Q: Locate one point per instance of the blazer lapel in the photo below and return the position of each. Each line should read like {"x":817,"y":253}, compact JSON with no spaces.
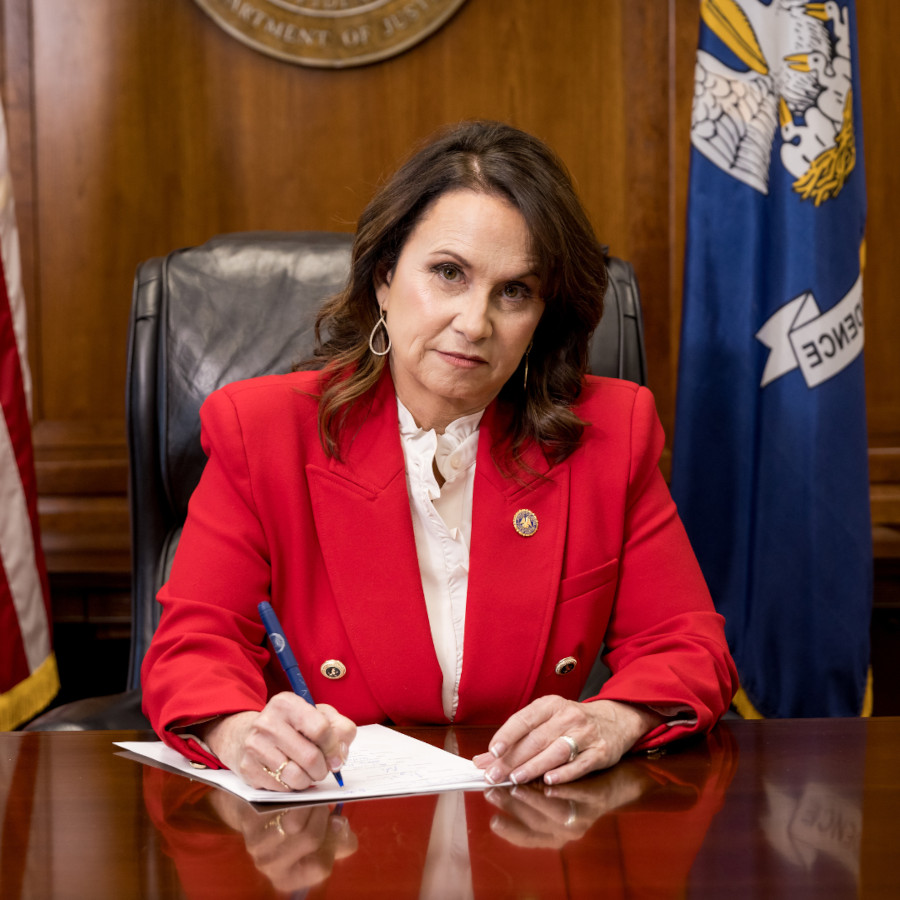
{"x":364,"y":524}
{"x":513,"y":581}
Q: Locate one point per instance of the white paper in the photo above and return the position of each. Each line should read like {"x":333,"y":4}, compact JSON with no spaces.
{"x":382,"y":762}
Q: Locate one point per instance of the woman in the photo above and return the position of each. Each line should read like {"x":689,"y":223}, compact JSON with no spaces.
{"x":449,"y":518}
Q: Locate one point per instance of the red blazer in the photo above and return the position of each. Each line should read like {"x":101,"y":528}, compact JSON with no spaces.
{"x":330,"y":543}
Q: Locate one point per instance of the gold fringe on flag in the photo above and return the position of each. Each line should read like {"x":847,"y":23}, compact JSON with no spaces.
{"x":29,"y":697}
{"x":744,"y":707}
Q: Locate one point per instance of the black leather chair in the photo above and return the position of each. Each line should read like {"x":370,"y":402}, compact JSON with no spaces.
{"x":237,"y":306}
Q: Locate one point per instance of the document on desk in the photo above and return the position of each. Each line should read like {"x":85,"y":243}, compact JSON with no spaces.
{"x":382,"y":763}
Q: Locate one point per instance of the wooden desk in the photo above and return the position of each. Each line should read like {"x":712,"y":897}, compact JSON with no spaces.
{"x":762,"y":809}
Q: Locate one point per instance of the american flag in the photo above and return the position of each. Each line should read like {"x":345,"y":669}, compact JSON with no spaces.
{"x":28,"y":674}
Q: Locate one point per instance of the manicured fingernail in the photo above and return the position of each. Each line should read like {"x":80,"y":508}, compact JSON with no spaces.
{"x":513,"y":778}
{"x":498,"y":750}
{"x":491,"y":776}
{"x":550,"y":778}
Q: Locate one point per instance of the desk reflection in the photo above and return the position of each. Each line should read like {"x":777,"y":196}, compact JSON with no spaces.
{"x":779,"y":808}
{"x":794,"y":815}
{"x":637,"y":827}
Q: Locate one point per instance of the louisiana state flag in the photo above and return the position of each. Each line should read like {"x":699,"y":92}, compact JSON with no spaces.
{"x":770,"y":455}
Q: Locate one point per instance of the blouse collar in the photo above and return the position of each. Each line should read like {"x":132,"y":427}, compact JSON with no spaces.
{"x":454,"y":451}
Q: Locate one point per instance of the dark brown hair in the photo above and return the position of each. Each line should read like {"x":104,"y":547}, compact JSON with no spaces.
{"x":492,"y":158}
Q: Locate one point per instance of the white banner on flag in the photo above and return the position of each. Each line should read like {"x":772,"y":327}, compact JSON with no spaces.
{"x":821,"y":344}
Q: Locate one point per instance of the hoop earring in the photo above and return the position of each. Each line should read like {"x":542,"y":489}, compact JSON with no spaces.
{"x":381,"y":323}
{"x":525,"y":379}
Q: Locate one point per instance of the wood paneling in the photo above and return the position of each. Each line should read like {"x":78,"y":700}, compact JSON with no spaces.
{"x":878,"y":26}
{"x":137,"y":126}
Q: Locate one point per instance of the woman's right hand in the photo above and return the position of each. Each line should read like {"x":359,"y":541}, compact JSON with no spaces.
{"x":287,"y":746}
{"x":550,"y":817}
{"x":295,"y":848}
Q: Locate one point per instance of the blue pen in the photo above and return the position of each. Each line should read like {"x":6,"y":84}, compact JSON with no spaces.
{"x":286,"y":658}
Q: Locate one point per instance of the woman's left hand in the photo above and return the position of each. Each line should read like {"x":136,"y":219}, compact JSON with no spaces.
{"x":535,"y":741}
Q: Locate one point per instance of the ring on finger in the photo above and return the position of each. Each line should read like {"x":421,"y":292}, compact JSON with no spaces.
{"x":572,"y":745}
{"x":276,"y":774}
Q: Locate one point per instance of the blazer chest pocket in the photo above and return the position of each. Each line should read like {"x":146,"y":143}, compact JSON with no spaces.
{"x":576,"y":586}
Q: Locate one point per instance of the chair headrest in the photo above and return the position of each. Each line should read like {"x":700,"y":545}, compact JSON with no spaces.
{"x":210,"y":335}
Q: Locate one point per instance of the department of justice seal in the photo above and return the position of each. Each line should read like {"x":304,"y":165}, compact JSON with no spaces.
{"x":331,"y":34}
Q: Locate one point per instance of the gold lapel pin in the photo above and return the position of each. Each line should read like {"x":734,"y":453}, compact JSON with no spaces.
{"x":525,"y":522}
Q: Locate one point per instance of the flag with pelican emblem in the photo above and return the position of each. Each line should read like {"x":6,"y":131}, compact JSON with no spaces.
{"x":28,"y":676}
{"x":770,"y":456}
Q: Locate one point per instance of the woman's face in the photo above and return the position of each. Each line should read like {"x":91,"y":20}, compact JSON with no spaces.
{"x":461,"y":305}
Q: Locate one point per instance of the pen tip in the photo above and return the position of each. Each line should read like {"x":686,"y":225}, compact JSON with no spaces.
{"x":338,"y":779}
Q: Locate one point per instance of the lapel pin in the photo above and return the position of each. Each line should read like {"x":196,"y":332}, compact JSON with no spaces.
{"x":525,"y":522}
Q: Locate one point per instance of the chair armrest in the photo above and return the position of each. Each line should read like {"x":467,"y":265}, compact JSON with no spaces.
{"x":116,"y":712}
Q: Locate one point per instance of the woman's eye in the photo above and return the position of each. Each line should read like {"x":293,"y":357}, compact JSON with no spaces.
{"x":448,"y":272}
{"x":515,"y":291}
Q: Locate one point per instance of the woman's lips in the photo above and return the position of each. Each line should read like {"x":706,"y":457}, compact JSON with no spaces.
{"x":462,"y":360}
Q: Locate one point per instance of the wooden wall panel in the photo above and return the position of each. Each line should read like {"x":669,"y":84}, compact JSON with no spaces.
{"x":879,"y":24}
{"x":138,"y":126}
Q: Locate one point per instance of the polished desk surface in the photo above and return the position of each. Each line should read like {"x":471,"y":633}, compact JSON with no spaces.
{"x":789,"y":808}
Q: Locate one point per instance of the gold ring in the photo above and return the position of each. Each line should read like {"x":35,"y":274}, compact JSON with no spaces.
{"x":277,"y":774}
{"x":573,"y":747}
